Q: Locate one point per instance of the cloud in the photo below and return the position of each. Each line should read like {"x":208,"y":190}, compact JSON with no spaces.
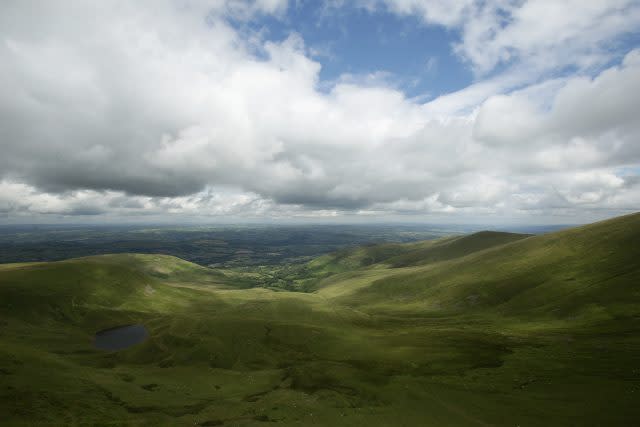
{"x":587,"y":122}
{"x":127,"y":109}
{"x":543,"y":34}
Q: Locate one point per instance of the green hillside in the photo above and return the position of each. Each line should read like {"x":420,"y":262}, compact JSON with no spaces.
{"x":486,"y":329}
{"x":586,"y":271}
{"x":408,"y":254}
{"x":451,"y":248}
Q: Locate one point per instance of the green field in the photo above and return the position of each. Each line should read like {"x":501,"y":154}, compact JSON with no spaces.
{"x":485,"y":329}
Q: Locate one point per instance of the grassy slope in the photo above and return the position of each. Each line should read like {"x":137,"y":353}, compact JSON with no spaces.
{"x":408,"y":254}
{"x":561,"y":275}
{"x":488,"y":329}
{"x":354,"y":261}
{"x":451,"y":248}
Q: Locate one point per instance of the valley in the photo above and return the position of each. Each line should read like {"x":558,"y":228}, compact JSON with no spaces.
{"x":488,"y":328}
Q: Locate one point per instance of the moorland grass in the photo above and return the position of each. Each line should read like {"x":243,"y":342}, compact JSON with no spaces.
{"x":488,"y":329}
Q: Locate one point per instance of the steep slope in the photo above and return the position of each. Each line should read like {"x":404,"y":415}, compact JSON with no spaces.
{"x":451,"y":248}
{"x":408,"y":254}
{"x":343,"y":272}
{"x":589,"y":270}
{"x":353,"y":258}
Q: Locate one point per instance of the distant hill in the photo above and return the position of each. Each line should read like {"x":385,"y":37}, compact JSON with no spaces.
{"x":456,"y":247}
{"x":408,"y":254}
{"x":591,"y":270}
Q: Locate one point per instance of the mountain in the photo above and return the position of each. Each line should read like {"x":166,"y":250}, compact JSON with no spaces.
{"x":485,"y":329}
{"x":581,"y":272}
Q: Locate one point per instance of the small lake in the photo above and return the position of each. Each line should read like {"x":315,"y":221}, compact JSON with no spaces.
{"x":120,"y":337}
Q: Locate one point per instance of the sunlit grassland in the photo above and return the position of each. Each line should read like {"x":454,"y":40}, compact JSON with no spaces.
{"x":487,"y":329}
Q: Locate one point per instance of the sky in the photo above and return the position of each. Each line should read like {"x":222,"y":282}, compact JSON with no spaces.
{"x":464,"y":111}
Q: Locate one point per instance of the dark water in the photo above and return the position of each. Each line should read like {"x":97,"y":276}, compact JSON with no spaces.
{"x":120,"y":337}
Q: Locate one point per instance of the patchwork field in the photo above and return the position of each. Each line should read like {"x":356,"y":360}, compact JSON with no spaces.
{"x":484,"y":329}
